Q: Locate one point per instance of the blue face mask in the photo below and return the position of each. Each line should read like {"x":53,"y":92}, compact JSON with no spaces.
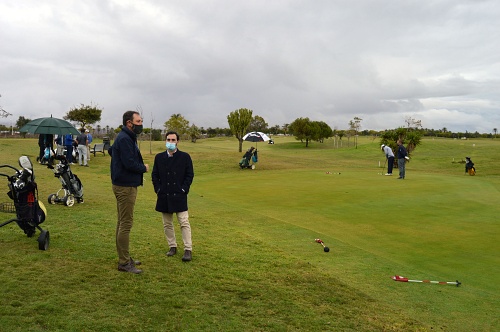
{"x":170,"y":146}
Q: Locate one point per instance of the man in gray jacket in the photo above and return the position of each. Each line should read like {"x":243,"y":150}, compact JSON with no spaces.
{"x":172,"y":177}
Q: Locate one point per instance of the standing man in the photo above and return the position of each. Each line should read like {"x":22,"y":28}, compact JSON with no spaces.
{"x":83,"y":142}
{"x":389,"y":155}
{"x":68,"y":144}
{"x":89,"y":139}
{"x":60,"y":145}
{"x":172,"y":177}
{"x":402,"y":156}
{"x":127,"y":169}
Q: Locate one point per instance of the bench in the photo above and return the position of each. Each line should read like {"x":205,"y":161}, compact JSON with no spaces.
{"x":99,"y":147}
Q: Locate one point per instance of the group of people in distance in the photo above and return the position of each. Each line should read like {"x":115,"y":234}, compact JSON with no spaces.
{"x":172,"y":176}
{"x":402,"y":155}
{"x":65,"y":145}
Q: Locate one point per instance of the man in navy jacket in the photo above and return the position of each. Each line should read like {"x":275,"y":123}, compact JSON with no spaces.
{"x":127,"y":168}
{"x":402,"y":157}
{"x":172,"y":177}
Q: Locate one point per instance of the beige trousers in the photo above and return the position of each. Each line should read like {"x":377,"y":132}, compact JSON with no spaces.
{"x":168,"y":228}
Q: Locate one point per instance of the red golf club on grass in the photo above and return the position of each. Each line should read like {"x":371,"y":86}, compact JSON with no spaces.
{"x":325,"y":249}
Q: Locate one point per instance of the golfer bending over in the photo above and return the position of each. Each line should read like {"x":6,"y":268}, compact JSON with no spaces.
{"x":389,"y":155}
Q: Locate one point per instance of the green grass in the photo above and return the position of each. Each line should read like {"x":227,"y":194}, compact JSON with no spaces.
{"x":256,"y":266}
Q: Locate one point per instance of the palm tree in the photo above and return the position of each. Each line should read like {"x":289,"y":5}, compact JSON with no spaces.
{"x":495,"y":131}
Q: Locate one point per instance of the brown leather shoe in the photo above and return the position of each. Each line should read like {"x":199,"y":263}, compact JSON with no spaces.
{"x":129,"y":267}
{"x":187,"y":256}
{"x":172,"y":251}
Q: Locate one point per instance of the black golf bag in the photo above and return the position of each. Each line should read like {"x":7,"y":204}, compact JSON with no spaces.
{"x":71,"y":185}
{"x":249,"y":159}
{"x":30,"y":212}
{"x":469,"y":166}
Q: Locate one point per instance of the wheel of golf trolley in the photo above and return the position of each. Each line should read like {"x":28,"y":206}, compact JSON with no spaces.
{"x":44,"y":240}
{"x":253,"y":166}
{"x":52,"y":198}
{"x":69,"y":200}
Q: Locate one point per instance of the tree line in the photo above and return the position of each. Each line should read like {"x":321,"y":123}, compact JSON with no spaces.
{"x":242,"y":121}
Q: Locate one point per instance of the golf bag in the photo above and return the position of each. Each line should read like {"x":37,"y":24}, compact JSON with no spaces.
{"x":30,"y":212}
{"x":469,"y":166}
{"x":71,"y":185}
{"x":249,"y":159}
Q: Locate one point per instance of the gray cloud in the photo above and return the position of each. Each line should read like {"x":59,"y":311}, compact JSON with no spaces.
{"x":328,"y":60}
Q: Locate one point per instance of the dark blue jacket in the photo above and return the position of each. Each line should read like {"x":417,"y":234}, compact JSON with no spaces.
{"x":402,"y":152}
{"x":172,"y":178}
{"x":127,"y":165}
{"x":68,"y":139}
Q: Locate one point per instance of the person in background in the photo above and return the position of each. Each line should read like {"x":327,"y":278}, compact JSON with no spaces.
{"x":469,"y":166}
{"x":389,"y":155}
{"x":127,"y":169}
{"x":83,"y":143}
{"x":60,"y":145}
{"x":172,"y":177}
{"x":44,"y":141}
{"x":68,"y":144}
{"x":402,"y":157}
{"x":89,"y":138}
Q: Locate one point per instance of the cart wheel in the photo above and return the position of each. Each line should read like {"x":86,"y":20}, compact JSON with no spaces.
{"x":69,"y":200}
{"x":52,"y":198}
{"x":44,"y":240}
{"x":253,"y":166}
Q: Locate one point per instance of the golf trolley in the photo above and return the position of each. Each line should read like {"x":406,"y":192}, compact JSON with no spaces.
{"x":30,"y":212}
{"x":469,"y":167}
{"x":72,"y":187}
{"x":249,"y":159}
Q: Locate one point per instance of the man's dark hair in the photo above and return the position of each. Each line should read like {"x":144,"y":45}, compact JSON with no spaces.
{"x":172,"y":133}
{"x":128,"y":115}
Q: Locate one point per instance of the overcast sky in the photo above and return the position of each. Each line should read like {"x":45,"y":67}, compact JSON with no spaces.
{"x":329,"y":60}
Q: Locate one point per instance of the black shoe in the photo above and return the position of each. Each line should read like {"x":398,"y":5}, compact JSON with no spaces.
{"x":172,"y":251}
{"x":129,"y":267}
{"x":187,"y":256}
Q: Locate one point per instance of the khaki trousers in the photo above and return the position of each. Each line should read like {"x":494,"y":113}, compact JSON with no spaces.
{"x":168,"y":228}
{"x":82,"y":154}
{"x":125,"y":202}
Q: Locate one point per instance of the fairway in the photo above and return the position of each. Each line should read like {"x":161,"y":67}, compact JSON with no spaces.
{"x":256,"y":266}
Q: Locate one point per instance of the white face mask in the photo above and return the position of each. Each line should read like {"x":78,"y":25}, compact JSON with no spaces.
{"x":171,"y":146}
